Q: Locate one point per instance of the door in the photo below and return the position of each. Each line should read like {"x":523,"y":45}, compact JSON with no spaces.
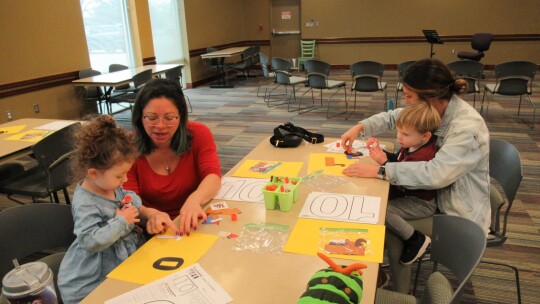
{"x":285,"y":26}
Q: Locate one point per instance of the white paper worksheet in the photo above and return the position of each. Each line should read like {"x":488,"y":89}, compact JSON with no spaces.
{"x":190,"y":285}
{"x":342,"y":207}
{"x":241,"y":189}
{"x":358,"y":145}
{"x":56,"y":125}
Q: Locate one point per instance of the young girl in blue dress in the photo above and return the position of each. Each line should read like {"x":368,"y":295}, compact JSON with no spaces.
{"x":104,"y":213}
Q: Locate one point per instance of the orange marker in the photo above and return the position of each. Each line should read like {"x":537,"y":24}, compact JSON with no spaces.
{"x":234,"y":217}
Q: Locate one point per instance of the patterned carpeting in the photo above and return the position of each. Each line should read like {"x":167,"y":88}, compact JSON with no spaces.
{"x":239,"y":121}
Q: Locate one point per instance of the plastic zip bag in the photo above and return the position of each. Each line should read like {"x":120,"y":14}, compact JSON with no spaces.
{"x":262,"y":238}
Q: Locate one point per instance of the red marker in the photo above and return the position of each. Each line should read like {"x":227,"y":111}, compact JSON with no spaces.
{"x":127,"y":201}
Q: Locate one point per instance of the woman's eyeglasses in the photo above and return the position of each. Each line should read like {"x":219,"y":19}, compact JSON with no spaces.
{"x":153,"y":121}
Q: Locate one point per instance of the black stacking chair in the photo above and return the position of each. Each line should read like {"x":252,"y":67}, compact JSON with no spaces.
{"x":402,"y":70}
{"x":317,"y":73}
{"x":176,"y":75}
{"x":92,"y":94}
{"x":513,"y":78}
{"x":471,"y":71}
{"x":28,"y":230}
{"x":446,"y":249}
{"x":51,"y":174}
{"x":129,"y":94}
{"x":367,"y":77}
{"x":283,"y":77}
{"x":505,"y":169}
{"x":479,"y":42}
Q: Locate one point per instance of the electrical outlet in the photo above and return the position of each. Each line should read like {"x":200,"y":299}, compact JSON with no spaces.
{"x":36,"y":108}
{"x":9,"y":115}
{"x":453,"y":51}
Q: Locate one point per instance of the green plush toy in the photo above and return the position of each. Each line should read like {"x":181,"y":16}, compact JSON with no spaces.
{"x":336,"y":284}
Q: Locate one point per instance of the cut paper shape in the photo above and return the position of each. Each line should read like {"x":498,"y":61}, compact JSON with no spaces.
{"x":30,"y":136}
{"x":342,"y":207}
{"x":284,"y":169}
{"x":138,"y":267}
{"x":327,"y":162}
{"x":305,"y":239}
{"x":12,"y":129}
{"x":190,"y":285}
{"x":241,"y":189}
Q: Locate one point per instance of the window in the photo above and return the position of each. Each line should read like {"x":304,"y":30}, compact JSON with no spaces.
{"x":108,"y":37}
{"x":166,"y":31}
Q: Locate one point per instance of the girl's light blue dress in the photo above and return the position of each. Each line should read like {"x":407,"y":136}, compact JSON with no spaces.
{"x":104,"y":240}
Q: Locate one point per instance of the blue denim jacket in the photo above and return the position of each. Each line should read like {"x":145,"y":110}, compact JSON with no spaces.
{"x":460,"y":169}
{"x":103,"y":241}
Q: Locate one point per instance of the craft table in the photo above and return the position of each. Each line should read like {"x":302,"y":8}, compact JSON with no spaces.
{"x":265,"y":278}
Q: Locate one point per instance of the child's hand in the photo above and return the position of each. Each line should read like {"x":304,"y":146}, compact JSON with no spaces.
{"x":130,"y":213}
{"x":378,"y":155}
{"x":373,"y":141}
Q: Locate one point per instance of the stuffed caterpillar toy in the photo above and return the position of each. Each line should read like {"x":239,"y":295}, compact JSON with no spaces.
{"x":336,"y":284}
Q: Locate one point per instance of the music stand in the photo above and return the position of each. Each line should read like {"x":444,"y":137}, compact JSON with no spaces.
{"x":432,"y":37}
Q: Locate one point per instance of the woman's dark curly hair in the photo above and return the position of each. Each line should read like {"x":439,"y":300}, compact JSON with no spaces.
{"x":156,"y":88}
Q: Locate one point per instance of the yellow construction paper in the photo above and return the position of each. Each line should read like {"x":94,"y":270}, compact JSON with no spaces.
{"x":305,"y":236}
{"x":31,"y":135}
{"x":317,"y":162}
{"x":284,"y":169}
{"x":138,"y":268}
{"x":12,"y":129}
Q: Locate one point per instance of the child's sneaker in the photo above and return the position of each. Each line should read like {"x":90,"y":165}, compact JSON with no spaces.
{"x":414,"y":248}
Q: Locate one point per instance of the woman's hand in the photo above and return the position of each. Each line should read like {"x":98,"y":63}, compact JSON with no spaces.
{"x":190,"y":214}
{"x":348,"y":137}
{"x":130,"y":213}
{"x":361,"y":170}
{"x":377,"y":153}
{"x":158,"y":222}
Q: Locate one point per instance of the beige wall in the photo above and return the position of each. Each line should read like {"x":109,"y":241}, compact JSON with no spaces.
{"x":391,"y":18}
{"x":41,"y":38}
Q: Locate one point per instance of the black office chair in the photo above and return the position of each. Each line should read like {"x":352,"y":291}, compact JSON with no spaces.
{"x":448,"y":250}
{"x":92,"y":94}
{"x":513,"y":78}
{"x":51,"y":174}
{"x":176,"y":75}
{"x":471,"y":71}
{"x":31,"y":231}
{"x":479,"y":42}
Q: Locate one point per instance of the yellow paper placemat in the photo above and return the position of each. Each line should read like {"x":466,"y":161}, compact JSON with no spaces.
{"x":12,"y":129}
{"x":267,"y":168}
{"x":306,"y":235}
{"x":138,"y":268}
{"x":31,"y":135}
{"x":318,"y":161}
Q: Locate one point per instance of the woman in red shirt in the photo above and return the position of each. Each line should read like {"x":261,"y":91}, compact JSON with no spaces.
{"x":178,"y":171}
